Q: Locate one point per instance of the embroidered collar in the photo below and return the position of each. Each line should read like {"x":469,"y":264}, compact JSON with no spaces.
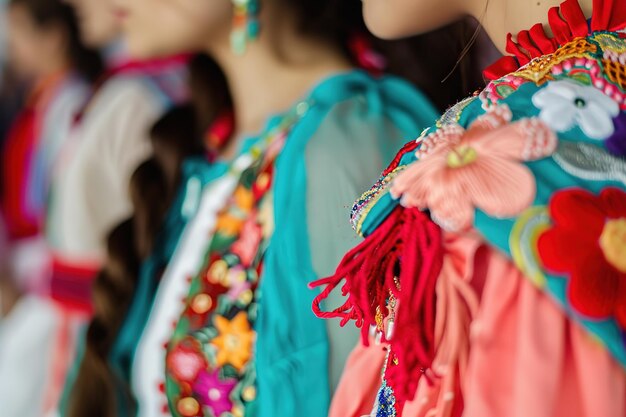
{"x":567,"y":22}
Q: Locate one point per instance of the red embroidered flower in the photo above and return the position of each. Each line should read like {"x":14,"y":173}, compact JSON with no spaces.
{"x":588,"y":242}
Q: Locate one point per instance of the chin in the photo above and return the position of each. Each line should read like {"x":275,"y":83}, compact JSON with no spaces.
{"x":97,"y":39}
{"x":382,"y":22}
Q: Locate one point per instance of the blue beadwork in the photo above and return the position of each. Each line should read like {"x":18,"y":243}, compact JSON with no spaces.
{"x":385,"y":402}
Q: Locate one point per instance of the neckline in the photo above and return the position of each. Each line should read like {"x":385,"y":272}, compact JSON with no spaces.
{"x":567,"y":22}
{"x":322,"y":91}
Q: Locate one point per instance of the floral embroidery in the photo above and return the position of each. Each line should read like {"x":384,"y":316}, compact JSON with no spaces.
{"x":615,"y":72}
{"x":590,"y":162}
{"x":593,"y":257}
{"x":185,"y":361}
{"x":188,"y":407}
{"x":565,"y":104}
{"x":499,"y":90}
{"x":609,"y":42}
{"x":221,"y":308}
{"x":234,"y":343}
{"x":247,"y":246}
{"x":616,"y":143}
{"x":458,"y":170}
{"x":214,"y":392}
{"x":523,"y":243}
{"x":539,"y":69}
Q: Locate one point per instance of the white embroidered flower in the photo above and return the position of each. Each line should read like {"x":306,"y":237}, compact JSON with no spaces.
{"x":565,"y":104}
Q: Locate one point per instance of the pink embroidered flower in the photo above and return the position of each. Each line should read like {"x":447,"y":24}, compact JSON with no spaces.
{"x":186,"y":361}
{"x":459,"y":170}
{"x":214,"y":392}
{"x":248,"y":244}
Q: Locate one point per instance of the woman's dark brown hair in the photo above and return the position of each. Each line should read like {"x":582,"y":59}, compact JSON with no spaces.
{"x":176,"y":136}
{"x":179,"y":135}
{"x":49,"y":13}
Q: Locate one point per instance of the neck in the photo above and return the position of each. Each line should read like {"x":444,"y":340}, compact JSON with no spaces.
{"x":511,"y":16}
{"x":53,"y":66}
{"x":276,"y":70}
{"x":114,"y":53}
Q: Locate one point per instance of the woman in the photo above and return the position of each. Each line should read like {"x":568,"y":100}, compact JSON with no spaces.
{"x":494,"y":264}
{"x":45,"y":51}
{"x":89,"y":187}
{"x":265,"y":207}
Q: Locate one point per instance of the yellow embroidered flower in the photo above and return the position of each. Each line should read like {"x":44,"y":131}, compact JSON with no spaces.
{"x":234,"y":343}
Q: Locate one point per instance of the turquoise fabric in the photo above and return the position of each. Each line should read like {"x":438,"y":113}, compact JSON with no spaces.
{"x":550,"y":178}
{"x":291,"y":341}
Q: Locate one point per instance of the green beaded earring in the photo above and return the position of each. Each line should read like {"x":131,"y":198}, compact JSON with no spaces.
{"x":245,"y":25}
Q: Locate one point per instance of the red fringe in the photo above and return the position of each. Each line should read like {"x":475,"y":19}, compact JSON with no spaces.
{"x":407,"y":245}
{"x":566,"y":22}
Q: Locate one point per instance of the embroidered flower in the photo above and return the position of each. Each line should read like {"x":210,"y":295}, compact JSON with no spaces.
{"x":587,"y":242}
{"x":234,"y":343}
{"x":238,"y":289}
{"x":214,"y":392}
{"x":247,"y":246}
{"x":458,"y":170}
{"x":616,"y":143}
{"x":244,"y":199}
{"x":186,"y":407}
{"x":565,"y":104}
{"x":228,"y":225}
{"x":185,"y":361}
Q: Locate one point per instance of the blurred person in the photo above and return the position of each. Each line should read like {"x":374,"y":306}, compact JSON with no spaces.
{"x":45,"y":52}
{"x":91,"y":167}
{"x":273,"y":180}
{"x":494,"y":260}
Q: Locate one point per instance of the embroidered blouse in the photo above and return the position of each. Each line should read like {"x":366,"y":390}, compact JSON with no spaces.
{"x":286,"y":216}
{"x":531,"y":168}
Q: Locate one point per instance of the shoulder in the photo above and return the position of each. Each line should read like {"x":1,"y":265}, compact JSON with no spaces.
{"x":127,"y":90}
{"x":355,"y":110}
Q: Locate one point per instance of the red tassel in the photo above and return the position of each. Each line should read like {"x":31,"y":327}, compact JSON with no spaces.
{"x":407,"y":246}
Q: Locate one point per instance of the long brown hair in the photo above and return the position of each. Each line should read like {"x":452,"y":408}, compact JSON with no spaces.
{"x":176,"y":136}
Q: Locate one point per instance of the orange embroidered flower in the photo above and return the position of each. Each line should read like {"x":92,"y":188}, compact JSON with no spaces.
{"x":228,"y":225}
{"x":244,"y":199}
{"x":460,"y":170}
{"x":234,"y":343}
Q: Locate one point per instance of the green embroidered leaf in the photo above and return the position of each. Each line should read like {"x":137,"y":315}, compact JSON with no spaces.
{"x":581,"y":77}
{"x":504,"y":90}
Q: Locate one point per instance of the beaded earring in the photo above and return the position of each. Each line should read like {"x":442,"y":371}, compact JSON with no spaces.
{"x":245,"y":24}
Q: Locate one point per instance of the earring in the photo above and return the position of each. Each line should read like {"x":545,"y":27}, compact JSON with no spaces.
{"x":245,"y":24}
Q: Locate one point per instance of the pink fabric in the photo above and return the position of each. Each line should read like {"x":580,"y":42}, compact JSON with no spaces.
{"x":521,"y":356}
{"x":359,"y":383}
{"x":529,"y":359}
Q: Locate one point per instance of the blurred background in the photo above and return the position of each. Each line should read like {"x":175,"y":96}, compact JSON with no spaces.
{"x":56,"y":90}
